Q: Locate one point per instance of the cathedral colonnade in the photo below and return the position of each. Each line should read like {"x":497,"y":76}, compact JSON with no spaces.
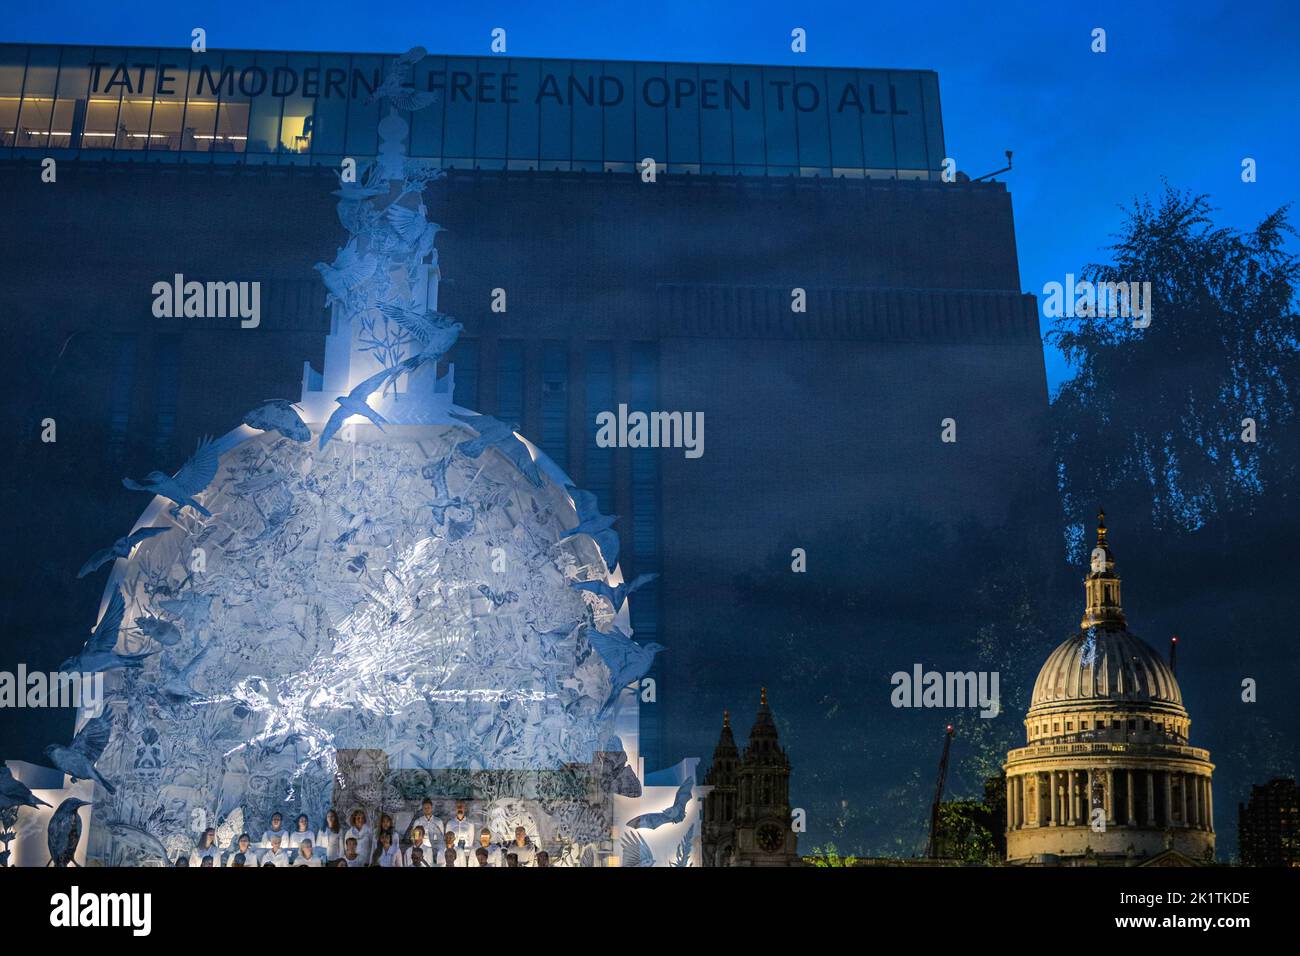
{"x":1129,"y":796}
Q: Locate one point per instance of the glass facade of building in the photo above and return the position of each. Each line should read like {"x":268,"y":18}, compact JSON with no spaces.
{"x":172,"y":105}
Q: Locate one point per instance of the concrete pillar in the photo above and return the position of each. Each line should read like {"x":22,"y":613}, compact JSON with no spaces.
{"x":1011,"y":803}
{"x":1193,"y":783}
{"x":1087,"y":803}
{"x":1151,"y":798}
{"x":1182,"y":790}
{"x":1131,"y":817}
{"x":1209,"y":800}
{"x":1110,"y":797}
{"x":1072,"y":817}
{"x":1169,"y":801}
{"x":1051,"y":798}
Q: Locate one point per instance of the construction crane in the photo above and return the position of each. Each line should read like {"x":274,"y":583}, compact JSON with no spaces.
{"x":938,"y":793}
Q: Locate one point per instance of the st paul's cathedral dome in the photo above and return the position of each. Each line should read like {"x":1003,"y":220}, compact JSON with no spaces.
{"x":1107,"y":775}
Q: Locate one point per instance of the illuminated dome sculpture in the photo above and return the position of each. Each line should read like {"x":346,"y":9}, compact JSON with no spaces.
{"x":403,"y":595}
{"x":330,"y":610}
{"x":1108,"y":775}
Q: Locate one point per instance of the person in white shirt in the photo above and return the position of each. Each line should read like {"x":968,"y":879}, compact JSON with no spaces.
{"x":424,"y":817}
{"x":301,"y":832}
{"x":386,"y":826}
{"x":523,"y":848}
{"x":419,"y":842}
{"x":276,"y":856}
{"x":485,"y":854}
{"x":451,"y":854}
{"x":206,"y":849}
{"x":415,"y":857}
{"x":307,"y":856}
{"x":243,"y":845}
{"x":329,"y":840}
{"x":350,"y":854}
{"x":464,"y":827}
{"x":277,"y":828}
{"x":389,"y":853}
{"x":365,"y":837}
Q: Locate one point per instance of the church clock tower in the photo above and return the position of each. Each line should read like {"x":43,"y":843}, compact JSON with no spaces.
{"x":763,"y":833}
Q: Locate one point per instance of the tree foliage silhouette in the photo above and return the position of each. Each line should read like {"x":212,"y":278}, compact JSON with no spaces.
{"x":1155,"y":415}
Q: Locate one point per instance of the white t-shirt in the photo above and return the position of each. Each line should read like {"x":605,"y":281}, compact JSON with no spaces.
{"x":280,"y":858}
{"x":357,"y":862}
{"x":296,"y":837}
{"x":392,"y":856}
{"x":330,"y":843}
{"x":282,"y":833}
{"x":527,"y":853}
{"x":433,"y":827}
{"x":250,"y":855}
{"x":461,"y":859}
{"x":316,"y":860}
{"x":466,"y":830}
{"x":196,"y":857}
{"x":365,"y":838}
{"x":428,"y":854}
{"x":494,"y":856}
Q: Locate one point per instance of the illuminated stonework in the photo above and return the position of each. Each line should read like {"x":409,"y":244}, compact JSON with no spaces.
{"x":1107,"y":775}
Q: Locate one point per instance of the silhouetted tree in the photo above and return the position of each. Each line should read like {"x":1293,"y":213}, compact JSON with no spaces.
{"x":1154,"y":416}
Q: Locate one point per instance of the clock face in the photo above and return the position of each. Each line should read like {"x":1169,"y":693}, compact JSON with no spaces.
{"x":769,"y":838}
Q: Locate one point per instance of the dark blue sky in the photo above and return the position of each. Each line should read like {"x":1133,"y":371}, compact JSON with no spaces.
{"x":1185,"y":91}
